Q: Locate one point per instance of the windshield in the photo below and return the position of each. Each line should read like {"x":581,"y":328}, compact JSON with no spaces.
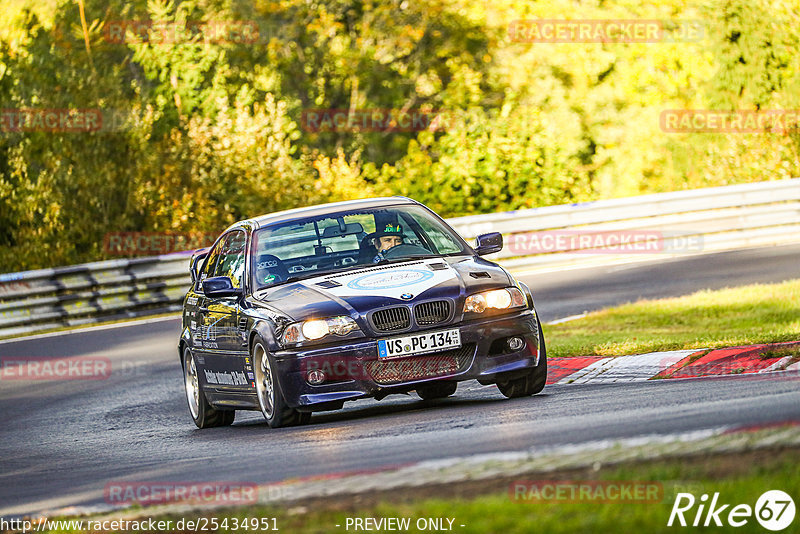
{"x":340,"y":241}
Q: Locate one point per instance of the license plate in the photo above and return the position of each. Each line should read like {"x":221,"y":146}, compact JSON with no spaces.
{"x":419,"y":343}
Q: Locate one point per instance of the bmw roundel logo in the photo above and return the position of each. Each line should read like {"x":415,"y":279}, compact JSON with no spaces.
{"x":406,"y":296}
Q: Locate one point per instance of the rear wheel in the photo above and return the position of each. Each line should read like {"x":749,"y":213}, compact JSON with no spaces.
{"x":203,"y":414}
{"x":531,"y":382}
{"x":437,"y":390}
{"x":270,"y":398}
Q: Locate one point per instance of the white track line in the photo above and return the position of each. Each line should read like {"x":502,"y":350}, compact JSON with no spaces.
{"x":635,"y":368}
{"x":794,"y":367}
{"x":566,"y":319}
{"x":777,"y":366}
{"x":60,"y":333}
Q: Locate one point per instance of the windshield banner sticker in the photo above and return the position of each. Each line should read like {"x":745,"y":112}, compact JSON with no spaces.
{"x":390,"y":282}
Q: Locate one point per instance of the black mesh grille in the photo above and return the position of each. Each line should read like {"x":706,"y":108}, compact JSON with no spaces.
{"x":409,"y":369}
{"x":434,"y":312}
{"x":392,"y":319}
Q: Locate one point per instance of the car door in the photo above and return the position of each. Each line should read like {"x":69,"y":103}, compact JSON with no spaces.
{"x":197,"y":303}
{"x":224,"y":344}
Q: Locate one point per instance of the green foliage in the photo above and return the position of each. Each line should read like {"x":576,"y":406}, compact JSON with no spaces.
{"x":226,"y":168}
{"x":488,"y":163}
{"x":60,"y":190}
{"x":199,"y":132}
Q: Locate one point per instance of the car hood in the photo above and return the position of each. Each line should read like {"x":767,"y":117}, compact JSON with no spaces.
{"x":358,"y":291}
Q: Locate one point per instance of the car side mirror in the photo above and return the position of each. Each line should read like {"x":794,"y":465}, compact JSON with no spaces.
{"x":220,"y":286}
{"x":488,"y":243}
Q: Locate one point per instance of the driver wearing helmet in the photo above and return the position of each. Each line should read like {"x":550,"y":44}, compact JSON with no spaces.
{"x":389,"y":237}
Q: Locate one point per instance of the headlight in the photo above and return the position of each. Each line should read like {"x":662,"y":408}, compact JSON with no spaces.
{"x":341,"y":325}
{"x":318,"y":328}
{"x":315,"y":328}
{"x":499,"y":299}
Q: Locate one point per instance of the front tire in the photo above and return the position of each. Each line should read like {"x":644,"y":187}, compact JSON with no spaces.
{"x":203,"y":414}
{"x":534,"y":380}
{"x":270,"y":398}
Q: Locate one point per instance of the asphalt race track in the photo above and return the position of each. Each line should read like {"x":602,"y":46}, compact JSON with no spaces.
{"x":61,"y":442}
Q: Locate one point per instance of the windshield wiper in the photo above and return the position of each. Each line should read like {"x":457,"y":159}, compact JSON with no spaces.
{"x":276,"y":284}
{"x":312,"y":274}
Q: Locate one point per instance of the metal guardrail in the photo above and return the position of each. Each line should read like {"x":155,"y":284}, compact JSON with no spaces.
{"x":92,"y":292}
{"x":718,"y":218}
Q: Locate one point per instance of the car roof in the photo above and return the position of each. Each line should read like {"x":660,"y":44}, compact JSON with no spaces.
{"x":324,"y":209}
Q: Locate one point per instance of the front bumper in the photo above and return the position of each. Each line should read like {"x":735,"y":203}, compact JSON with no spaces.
{"x":353,"y":369}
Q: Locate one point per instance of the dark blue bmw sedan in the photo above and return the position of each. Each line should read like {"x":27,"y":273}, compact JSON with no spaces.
{"x":299,"y":311}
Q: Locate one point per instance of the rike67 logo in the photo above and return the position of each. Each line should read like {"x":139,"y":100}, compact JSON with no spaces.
{"x":774,"y":510}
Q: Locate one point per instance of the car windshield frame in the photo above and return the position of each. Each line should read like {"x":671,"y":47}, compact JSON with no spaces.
{"x":408,"y":214}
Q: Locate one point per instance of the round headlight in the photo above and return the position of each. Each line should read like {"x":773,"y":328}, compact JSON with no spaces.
{"x":499,"y":299}
{"x":292,"y":334}
{"x":341,"y":325}
{"x":475,"y":303}
{"x":315,"y":328}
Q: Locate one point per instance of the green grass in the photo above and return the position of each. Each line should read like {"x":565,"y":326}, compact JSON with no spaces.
{"x":498,"y":513}
{"x":760,"y":313}
{"x":740,"y":479}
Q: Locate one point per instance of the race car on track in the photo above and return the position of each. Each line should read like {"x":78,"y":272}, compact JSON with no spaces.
{"x":299,"y":311}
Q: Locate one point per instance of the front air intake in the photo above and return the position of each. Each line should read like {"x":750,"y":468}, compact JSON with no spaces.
{"x":431,"y":313}
{"x":392,"y":319}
